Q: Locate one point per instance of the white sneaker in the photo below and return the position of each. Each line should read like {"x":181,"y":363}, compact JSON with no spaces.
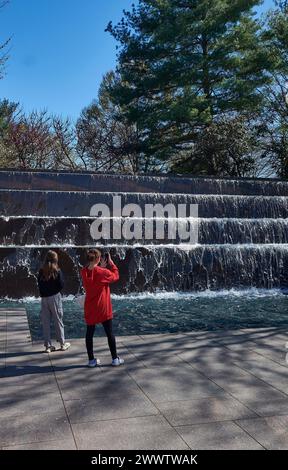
{"x":117,"y":362}
{"x":50,"y":349}
{"x":94,"y":363}
{"x":65,"y":346}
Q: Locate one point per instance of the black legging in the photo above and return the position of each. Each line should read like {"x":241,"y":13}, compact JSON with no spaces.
{"x":109,"y":333}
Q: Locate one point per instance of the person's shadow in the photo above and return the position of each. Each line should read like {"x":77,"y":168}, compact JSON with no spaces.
{"x":13,"y":370}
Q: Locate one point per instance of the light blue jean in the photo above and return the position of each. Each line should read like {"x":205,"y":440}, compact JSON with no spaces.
{"x":52,"y":309}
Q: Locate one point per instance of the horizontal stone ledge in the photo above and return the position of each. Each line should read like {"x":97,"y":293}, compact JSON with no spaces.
{"x":85,"y":181}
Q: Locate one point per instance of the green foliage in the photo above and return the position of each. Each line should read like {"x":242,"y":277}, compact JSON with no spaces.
{"x":225,"y":148}
{"x":107,"y":143}
{"x":8,"y":110}
{"x":273,"y":118}
{"x":201,"y":86}
{"x":184,"y":64}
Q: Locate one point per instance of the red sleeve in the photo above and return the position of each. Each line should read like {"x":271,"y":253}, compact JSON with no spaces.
{"x":107,"y":276}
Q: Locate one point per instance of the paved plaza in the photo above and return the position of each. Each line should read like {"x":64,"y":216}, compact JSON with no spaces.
{"x":199,"y":390}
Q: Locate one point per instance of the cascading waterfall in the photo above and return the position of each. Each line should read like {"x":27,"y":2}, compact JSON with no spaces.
{"x":73,"y":231}
{"x":242,"y":231}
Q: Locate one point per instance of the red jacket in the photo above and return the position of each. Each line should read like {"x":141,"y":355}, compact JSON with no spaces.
{"x":98,"y":306}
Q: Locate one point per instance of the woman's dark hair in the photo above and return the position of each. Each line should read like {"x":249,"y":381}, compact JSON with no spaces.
{"x":50,"y":267}
{"x":92,"y":254}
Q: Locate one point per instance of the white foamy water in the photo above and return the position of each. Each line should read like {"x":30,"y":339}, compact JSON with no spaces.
{"x":251,"y":293}
{"x":187,"y":196}
{"x":180,"y":246}
{"x":236,"y":293}
{"x":220,"y":220}
{"x":33,"y":299}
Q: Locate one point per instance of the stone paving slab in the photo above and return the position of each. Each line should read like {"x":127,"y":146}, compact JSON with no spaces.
{"x":235,"y":380}
{"x":19,"y":402}
{"x":269,"y":408}
{"x":28,"y":382}
{"x":95,"y":384}
{"x":270,"y":432}
{"x":78,"y":358}
{"x":157,"y":359}
{"x":23,"y":370}
{"x":218,"y":354}
{"x":204,"y":410}
{"x":218,"y":436}
{"x":275,"y":353}
{"x":150,"y":432}
{"x":32,"y":427}
{"x":214,"y":390}
{"x":132,"y":404}
{"x":174,"y":383}
{"x":268,"y":371}
{"x":60,"y":444}
{"x":212,"y":368}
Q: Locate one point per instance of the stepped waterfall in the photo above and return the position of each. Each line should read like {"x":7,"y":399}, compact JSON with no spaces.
{"x":242,"y":231}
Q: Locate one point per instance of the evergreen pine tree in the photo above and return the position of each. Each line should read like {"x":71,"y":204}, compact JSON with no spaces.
{"x":183,"y":65}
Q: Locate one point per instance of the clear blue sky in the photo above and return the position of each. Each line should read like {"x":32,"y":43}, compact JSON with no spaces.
{"x":59,"y":51}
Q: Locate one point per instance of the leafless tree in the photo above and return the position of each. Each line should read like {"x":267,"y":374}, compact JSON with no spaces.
{"x":3,"y":47}
{"x":38,"y":140}
{"x":64,"y":142}
{"x":30,"y":140}
{"x":106,"y":142}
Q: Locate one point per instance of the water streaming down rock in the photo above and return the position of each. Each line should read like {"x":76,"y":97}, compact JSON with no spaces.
{"x":243,"y":236}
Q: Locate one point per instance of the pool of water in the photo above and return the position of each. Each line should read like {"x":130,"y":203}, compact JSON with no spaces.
{"x":174,"y":312}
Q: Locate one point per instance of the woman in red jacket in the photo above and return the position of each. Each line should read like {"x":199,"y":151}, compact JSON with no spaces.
{"x":98,"y":307}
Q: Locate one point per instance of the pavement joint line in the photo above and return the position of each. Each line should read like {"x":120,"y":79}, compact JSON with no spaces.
{"x":245,"y":370}
{"x":228,"y":420}
{"x":269,"y":358}
{"x":262,"y":380}
{"x":235,"y":398}
{"x":126,"y":348}
{"x":238,"y":399}
{"x":226,"y":391}
{"x":236,"y":363}
{"x":254,"y":340}
{"x":154,"y":404}
{"x":59,"y":389}
{"x":60,"y":392}
{"x":222,"y":420}
{"x":247,"y":432}
{"x":148,"y":398}
{"x":251,"y":334}
{"x":142,"y":363}
{"x":248,"y":418}
{"x":115,"y":419}
{"x":33,"y":442}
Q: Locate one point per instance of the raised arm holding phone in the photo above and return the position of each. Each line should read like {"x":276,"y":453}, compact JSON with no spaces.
{"x":99,"y":273}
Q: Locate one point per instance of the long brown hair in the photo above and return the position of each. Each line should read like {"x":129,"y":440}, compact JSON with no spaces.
{"x":93,"y":254}
{"x":50,"y":267}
